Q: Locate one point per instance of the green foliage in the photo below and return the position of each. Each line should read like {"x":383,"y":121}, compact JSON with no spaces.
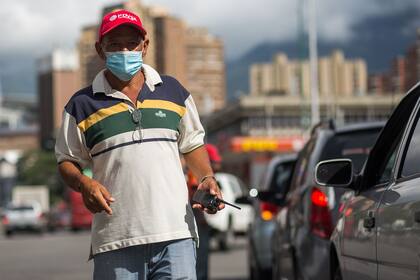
{"x":39,"y":167}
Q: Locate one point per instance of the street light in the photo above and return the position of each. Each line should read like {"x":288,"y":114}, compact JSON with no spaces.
{"x":313,"y":58}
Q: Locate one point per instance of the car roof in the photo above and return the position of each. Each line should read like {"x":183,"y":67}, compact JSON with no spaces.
{"x":359,"y":126}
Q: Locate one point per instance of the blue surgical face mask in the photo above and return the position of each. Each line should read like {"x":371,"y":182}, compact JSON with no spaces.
{"x":124,"y":64}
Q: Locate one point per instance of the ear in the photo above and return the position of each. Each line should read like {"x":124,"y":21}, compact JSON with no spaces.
{"x":100,"y":51}
{"x":145,"y":46}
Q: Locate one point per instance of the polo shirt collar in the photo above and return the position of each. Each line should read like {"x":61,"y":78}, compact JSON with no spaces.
{"x":100,"y":83}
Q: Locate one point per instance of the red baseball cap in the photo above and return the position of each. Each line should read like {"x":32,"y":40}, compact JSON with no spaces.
{"x":117,"y":18}
{"x":213,"y":152}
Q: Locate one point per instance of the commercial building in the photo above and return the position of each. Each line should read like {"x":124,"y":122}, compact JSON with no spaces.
{"x":403,"y":74}
{"x":206,"y":78}
{"x":338,"y":77}
{"x":58,"y":79}
{"x":170,"y":36}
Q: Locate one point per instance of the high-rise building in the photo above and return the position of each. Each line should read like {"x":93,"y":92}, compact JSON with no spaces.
{"x":90,"y":62}
{"x":170,"y":40}
{"x":337,"y":76}
{"x":58,"y":79}
{"x":413,"y":63}
{"x":398,"y":77}
{"x":205,"y":70}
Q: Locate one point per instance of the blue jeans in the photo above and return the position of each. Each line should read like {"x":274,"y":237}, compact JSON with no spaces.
{"x":174,"y":259}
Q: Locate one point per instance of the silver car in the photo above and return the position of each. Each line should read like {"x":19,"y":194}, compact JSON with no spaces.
{"x":22,"y":217}
{"x":274,"y":184}
{"x":378,"y":233}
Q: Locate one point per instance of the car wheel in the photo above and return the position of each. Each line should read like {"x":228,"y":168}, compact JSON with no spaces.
{"x":337,"y":274}
{"x":227,"y":237}
{"x":9,"y":233}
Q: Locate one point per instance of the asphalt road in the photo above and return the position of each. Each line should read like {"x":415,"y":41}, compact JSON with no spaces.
{"x":63,"y":256}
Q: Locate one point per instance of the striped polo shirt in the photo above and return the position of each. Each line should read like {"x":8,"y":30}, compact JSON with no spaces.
{"x":135,"y":156}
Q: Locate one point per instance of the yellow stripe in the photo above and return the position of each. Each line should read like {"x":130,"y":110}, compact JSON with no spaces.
{"x":162,"y":104}
{"x":101,"y":114}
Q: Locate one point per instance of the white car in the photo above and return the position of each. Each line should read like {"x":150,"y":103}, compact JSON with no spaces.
{"x":28,"y":216}
{"x":230,"y":221}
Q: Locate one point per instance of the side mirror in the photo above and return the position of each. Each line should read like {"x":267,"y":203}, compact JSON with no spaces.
{"x":271,"y":197}
{"x":243,"y":200}
{"x":334,"y":173}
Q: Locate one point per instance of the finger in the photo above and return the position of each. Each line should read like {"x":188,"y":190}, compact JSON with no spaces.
{"x":103,"y":204}
{"x":211,"y":212}
{"x":106,"y":194}
{"x":221,"y":206}
{"x":197,"y":206}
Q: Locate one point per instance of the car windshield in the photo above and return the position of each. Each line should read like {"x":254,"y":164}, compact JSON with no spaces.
{"x":20,"y":208}
{"x":353,"y":145}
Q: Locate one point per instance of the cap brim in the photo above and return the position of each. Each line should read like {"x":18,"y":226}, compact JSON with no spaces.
{"x":142,"y":30}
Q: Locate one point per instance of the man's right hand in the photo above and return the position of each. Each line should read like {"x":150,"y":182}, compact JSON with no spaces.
{"x":95,"y":196}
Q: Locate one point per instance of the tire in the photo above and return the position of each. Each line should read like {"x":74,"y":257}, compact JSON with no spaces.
{"x":227,"y":238}
{"x":337,"y":273}
{"x":9,"y":233}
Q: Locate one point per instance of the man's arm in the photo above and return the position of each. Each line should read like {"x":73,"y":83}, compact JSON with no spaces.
{"x":198,"y":161}
{"x":95,"y":196}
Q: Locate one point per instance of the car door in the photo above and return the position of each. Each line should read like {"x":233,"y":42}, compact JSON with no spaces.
{"x":359,"y":235}
{"x":398,"y":227}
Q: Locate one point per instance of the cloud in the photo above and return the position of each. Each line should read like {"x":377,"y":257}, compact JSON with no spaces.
{"x":41,"y":25}
{"x":38,"y":26}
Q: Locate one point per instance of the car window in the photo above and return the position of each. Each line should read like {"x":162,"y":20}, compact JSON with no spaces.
{"x":383,"y":156}
{"x":387,"y":172}
{"x":354,"y":145}
{"x":235,"y":187}
{"x":301,"y":167}
{"x":21,"y":208}
{"x":411,"y":163}
{"x":281,"y":176}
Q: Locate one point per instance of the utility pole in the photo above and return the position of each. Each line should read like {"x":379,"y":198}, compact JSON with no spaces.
{"x":313,"y":57}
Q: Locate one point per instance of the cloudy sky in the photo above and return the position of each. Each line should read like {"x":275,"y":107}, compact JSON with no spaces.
{"x":37,"y":26}
{"x":32,"y":28}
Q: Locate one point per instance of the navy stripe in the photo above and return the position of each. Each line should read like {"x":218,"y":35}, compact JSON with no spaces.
{"x":134,"y":142}
{"x":84,"y":103}
{"x":169,"y":90}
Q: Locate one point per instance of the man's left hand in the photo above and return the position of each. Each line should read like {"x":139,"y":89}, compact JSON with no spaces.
{"x":209,"y":184}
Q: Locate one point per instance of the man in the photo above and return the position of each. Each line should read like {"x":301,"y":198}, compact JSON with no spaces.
{"x":203,"y":227}
{"x":129,"y":127}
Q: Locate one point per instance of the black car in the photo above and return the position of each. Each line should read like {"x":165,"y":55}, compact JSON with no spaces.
{"x":378,"y":233}
{"x":304,"y":225}
{"x":265,"y":202}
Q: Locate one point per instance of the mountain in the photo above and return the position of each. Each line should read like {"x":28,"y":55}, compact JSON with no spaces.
{"x":377,"y":40}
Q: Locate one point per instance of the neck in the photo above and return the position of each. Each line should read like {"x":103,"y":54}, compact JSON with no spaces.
{"x":134,"y":84}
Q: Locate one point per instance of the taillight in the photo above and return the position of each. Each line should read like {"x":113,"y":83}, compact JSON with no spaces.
{"x":268,"y":210}
{"x":5,"y":220}
{"x":321,"y":224}
{"x":41,"y":216}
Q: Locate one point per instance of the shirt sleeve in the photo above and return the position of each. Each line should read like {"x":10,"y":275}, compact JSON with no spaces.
{"x":70,"y":144}
{"x":190,"y":128}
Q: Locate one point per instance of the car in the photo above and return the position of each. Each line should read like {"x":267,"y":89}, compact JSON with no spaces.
{"x":264,"y":201}
{"x":229,"y":222}
{"x":300,"y":244}
{"x":23,"y":217}
{"x":377,"y":234}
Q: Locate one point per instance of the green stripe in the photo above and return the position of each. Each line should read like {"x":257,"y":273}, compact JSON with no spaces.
{"x":122,"y":122}
{"x":169,"y":119}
